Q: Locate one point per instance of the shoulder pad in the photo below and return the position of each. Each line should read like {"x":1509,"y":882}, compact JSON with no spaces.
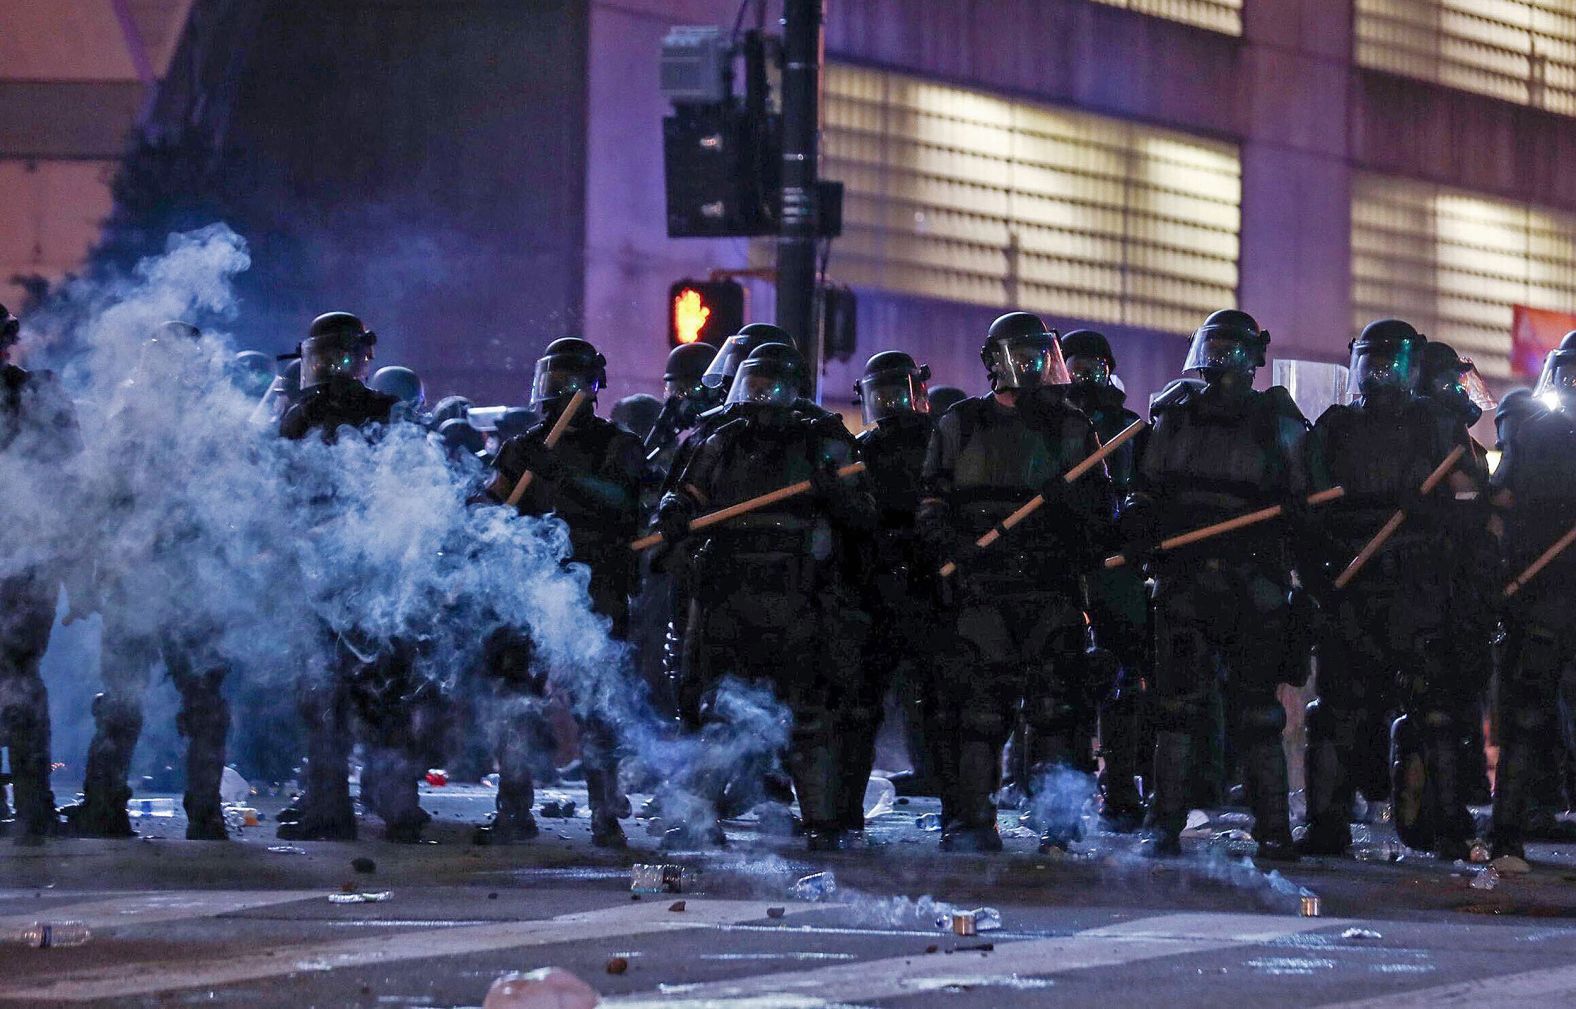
{"x":1279,"y":400}
{"x":1516,"y":409}
{"x":1335,"y":413}
{"x":1176,"y":394}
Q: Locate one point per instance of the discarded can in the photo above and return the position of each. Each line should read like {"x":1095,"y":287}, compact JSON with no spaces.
{"x":972,"y":922}
{"x":816,"y":886}
{"x":1310,"y":905}
{"x":47,"y":935}
{"x":662,"y":879}
{"x":437,"y":777}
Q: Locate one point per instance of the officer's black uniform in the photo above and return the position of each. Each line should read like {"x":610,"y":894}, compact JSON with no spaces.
{"x":590,"y":480}
{"x":901,"y":583}
{"x":1015,"y":628}
{"x":772,"y":603}
{"x":1217,"y":449}
{"x":1390,"y":647}
{"x":137,"y":637}
{"x":38,"y":441}
{"x":1118,"y":600}
{"x":335,"y":355}
{"x":1535,"y":484}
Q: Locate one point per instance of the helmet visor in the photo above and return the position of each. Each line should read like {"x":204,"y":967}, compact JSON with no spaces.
{"x":1025,"y":362}
{"x":888,"y":394}
{"x":324,"y":357}
{"x":692,"y":390}
{"x":558,"y":378}
{"x":1385,"y":366}
{"x":1215,"y":352}
{"x":719,"y":373}
{"x":764,"y":382}
{"x":1557,"y":385}
{"x":1088,"y":370}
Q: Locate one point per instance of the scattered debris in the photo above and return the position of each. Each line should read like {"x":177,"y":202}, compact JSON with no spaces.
{"x":360,"y":898}
{"x":931,"y":948}
{"x":776,"y":912}
{"x":1510,"y":865}
{"x":666,"y":878}
{"x":928,"y":821}
{"x":547,"y":988}
{"x":1361,"y":933}
{"x":677,"y":905}
{"x":47,"y":935}
{"x":1486,"y":879}
{"x":437,"y":777}
{"x":617,"y":965}
{"x":364,"y":865}
{"x":558,"y":809}
{"x":816,"y":886}
{"x":1308,"y":904}
{"x":287,"y":849}
{"x":961,"y":922}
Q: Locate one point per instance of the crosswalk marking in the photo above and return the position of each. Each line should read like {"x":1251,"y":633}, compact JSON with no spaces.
{"x":1554,"y":987}
{"x":1108,"y":946}
{"x":165,"y":905}
{"x":142,"y":978}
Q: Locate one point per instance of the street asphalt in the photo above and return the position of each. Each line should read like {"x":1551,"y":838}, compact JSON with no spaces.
{"x":249,"y":922}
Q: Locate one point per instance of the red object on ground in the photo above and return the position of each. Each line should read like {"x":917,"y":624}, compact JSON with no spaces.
{"x":437,"y":778}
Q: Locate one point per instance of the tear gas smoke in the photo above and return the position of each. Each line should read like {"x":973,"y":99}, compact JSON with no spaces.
{"x":202,"y":522}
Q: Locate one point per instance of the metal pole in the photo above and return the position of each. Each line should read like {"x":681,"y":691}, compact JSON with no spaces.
{"x":801,"y":152}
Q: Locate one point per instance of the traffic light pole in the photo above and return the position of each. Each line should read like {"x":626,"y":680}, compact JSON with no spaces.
{"x":801,"y":151}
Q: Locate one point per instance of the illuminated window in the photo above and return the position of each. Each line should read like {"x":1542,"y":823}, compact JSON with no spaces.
{"x":1522,"y":51}
{"x":965,"y":196}
{"x":1454,"y":264}
{"x":1216,"y":15}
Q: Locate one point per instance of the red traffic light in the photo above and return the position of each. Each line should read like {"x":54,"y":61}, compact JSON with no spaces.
{"x":704,"y":311}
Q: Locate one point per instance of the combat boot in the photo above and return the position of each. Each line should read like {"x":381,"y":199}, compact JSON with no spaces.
{"x":971,"y":840}
{"x":507,"y":828}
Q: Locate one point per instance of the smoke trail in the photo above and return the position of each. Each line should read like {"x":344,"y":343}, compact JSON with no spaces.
{"x":200,"y":521}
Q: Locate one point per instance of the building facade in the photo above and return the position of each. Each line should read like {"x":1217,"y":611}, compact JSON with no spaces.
{"x":481,"y":176}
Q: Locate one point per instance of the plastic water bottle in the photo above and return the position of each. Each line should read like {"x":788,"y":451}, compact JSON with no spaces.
{"x":928,"y":821}
{"x":816,"y":886}
{"x":880,"y":797}
{"x":46,"y":934}
{"x":159,"y":806}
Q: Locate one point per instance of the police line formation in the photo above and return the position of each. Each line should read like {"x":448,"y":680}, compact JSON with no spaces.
{"x":1030,"y":570}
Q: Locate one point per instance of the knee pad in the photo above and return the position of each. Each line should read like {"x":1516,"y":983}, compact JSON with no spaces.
{"x":117,"y":711}
{"x":1260,"y":721}
{"x":978,"y":723}
{"x":1049,"y":713}
{"x":1319,"y":720}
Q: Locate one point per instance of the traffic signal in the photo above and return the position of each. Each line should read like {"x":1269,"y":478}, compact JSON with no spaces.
{"x":704,"y":311}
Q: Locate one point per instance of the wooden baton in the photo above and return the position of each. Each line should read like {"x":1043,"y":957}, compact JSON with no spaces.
{"x":1544,"y":560}
{"x":1231,"y":525}
{"x":749,"y":505}
{"x":1387,"y":530}
{"x":551,"y":441}
{"x":1036,"y":502}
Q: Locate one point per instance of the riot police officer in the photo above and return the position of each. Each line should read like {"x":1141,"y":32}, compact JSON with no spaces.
{"x":1452,"y":382}
{"x":685,"y":397}
{"x":1118,"y":601}
{"x":901,"y":584}
{"x":335,"y":359}
{"x":772,"y":604}
{"x":141,"y":626}
{"x":1535,"y":491}
{"x":1016,"y":624}
{"x":1390,"y":648}
{"x":404,"y":385}
{"x":1219,"y":448}
{"x":39,"y":440}
{"x":590,"y":480}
